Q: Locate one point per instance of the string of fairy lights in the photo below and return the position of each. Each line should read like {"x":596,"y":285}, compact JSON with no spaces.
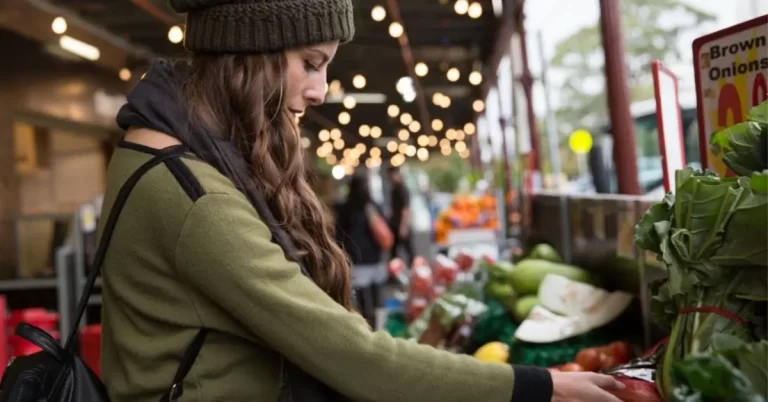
{"x":409,"y":140}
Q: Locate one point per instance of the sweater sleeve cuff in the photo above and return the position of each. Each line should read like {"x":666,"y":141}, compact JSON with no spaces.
{"x":532,"y":384}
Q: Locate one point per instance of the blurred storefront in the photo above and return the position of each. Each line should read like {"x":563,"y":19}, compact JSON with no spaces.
{"x":56,"y":130}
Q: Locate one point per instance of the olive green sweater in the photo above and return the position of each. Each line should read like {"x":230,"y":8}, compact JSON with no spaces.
{"x":189,"y":251}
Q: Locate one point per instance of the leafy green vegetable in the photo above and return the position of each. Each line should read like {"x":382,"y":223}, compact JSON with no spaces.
{"x":750,"y":359}
{"x":744,"y":147}
{"x":712,"y":237}
{"x":735,"y":372}
{"x":449,"y":308}
{"x":711,"y":378}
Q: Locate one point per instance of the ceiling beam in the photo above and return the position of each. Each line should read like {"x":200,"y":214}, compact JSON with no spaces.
{"x":156,"y":12}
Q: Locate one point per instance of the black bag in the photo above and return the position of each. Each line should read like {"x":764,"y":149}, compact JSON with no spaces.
{"x":57,"y":374}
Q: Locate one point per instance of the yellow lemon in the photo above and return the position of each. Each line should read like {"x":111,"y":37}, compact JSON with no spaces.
{"x":493,"y":352}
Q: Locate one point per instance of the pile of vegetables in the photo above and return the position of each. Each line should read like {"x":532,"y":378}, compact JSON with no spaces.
{"x":516,"y":286}
{"x":712,"y":237}
{"x":466,"y":212}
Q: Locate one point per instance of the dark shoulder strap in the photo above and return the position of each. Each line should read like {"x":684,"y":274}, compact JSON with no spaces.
{"x":98,"y":261}
{"x":109,"y":228}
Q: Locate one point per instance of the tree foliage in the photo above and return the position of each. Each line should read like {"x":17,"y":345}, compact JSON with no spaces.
{"x":651,"y":29}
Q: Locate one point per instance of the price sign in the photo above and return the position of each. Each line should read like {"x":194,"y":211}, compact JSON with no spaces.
{"x":731,"y":70}
{"x":669,"y":120}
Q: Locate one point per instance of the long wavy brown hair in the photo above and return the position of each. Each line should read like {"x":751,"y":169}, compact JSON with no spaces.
{"x":240,"y":98}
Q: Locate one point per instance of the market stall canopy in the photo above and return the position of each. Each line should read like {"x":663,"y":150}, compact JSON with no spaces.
{"x":428,"y":58}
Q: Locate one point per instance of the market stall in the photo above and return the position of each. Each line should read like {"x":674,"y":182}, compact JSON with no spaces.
{"x":669,"y":296}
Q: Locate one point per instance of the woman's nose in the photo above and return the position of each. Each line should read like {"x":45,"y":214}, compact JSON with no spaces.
{"x":314,"y":97}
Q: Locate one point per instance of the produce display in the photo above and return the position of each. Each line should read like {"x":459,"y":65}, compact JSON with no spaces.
{"x":712,"y":237}
{"x":492,"y":310}
{"x":466,"y":212}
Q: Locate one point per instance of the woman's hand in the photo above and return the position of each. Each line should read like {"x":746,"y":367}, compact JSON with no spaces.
{"x":584,"y":387}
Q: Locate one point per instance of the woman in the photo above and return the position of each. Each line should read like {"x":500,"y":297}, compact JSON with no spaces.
{"x":190,"y":250}
{"x":354,"y":233}
{"x":353,"y":227}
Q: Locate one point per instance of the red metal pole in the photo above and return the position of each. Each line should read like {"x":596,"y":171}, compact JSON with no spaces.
{"x":527,"y":81}
{"x":622,"y":127}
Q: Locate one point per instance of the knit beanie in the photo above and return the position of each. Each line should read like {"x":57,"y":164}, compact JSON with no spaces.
{"x":262,"y":26}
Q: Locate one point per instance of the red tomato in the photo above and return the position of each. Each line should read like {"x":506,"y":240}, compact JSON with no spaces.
{"x":621,"y":351}
{"x":465,"y":262}
{"x":421,"y":280}
{"x":589,"y":359}
{"x":606,"y":361}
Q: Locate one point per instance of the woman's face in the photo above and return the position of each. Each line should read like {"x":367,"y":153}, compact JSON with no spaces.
{"x":306,"y":75}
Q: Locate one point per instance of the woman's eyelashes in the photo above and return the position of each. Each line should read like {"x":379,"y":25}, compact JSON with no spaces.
{"x":310,"y":67}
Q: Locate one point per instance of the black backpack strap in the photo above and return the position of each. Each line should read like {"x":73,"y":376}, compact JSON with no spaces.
{"x":194,"y":347}
{"x":177,"y":388}
{"x":108,"y":231}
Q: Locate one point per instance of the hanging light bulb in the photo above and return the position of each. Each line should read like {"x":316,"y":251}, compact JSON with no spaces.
{"x":395,"y":30}
{"x":437,"y":98}
{"x":334,"y":88}
{"x":393,"y":110}
{"x":392,"y":146}
{"x":364,"y":130}
{"x":415,"y":126}
{"x":358,"y":81}
{"x":437,"y":124}
{"x":453,"y":74}
{"x":324,"y":135}
{"x":335,"y":134}
{"x":378,"y":13}
{"x":423,"y":140}
{"x":125,"y":74}
{"x":344,"y":118}
{"x":402,"y":148}
{"x":406,"y":119}
{"x":475,"y":78}
{"x":461,"y":7}
{"x":432,"y":140}
{"x":460,"y":146}
{"x":410,"y":151}
{"x":175,"y":34}
{"x":478,"y":106}
{"x":59,"y":25}
{"x":469,"y":128}
{"x":375,"y":131}
{"x":349,"y":102}
{"x":421,"y":69}
{"x":397,"y":160}
{"x":475,"y":10}
{"x":422,"y":154}
{"x":403,"y":134}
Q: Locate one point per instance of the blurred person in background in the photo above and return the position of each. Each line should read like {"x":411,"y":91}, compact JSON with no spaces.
{"x":224,"y":237}
{"x":400,"y":220}
{"x":353,"y":223}
{"x":355,"y":230}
